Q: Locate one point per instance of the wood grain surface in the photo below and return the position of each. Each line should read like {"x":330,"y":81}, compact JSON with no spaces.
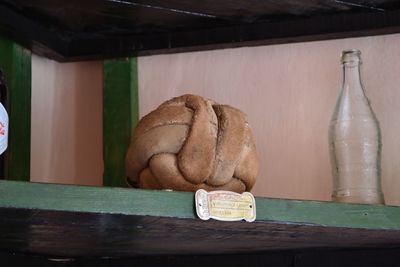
{"x":87,"y":221}
{"x":77,"y":30}
{"x":294,"y":258}
{"x":23,"y":195}
{"x":68,"y":234}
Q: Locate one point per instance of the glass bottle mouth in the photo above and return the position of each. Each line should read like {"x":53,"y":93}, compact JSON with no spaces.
{"x":351,"y":57}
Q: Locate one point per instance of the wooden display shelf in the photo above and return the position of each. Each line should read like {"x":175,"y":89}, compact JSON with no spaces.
{"x":65,"y":221}
{"x":76,"y":30}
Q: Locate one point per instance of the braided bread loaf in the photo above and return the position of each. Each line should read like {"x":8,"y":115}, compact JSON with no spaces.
{"x":189,"y":143}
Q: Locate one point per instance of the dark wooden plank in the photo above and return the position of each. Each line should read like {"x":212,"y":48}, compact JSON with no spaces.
{"x":278,"y":31}
{"x":76,"y":234}
{"x":16,"y":63}
{"x":352,"y":257}
{"x":253,"y":10}
{"x":31,"y":34}
{"x":120,"y":115}
{"x":275,"y":259}
{"x":310,"y":258}
{"x":76,"y":30}
{"x":181,"y":205}
{"x":81,"y":221}
{"x":255,"y":34}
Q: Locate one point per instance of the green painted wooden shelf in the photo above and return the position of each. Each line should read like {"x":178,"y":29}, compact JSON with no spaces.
{"x":84,"y":221}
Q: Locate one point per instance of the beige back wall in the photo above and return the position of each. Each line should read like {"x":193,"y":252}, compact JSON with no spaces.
{"x":288,"y":92}
{"x":66,"y":136}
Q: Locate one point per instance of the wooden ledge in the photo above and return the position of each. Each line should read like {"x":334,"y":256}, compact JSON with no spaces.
{"x":83,"y":221}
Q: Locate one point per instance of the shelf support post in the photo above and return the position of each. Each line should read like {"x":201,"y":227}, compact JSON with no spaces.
{"x":120,"y":115}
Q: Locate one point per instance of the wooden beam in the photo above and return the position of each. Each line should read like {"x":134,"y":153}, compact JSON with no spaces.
{"x":287,"y":258}
{"x":32,"y":34}
{"x":16,"y":63}
{"x":120,"y":105}
{"x":154,"y":27}
{"x":86,"y":221}
{"x":161,"y":203}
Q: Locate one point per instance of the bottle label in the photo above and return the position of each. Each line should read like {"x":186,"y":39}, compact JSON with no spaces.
{"x":3,"y":129}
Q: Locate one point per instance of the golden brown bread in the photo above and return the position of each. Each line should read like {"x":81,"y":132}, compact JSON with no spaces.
{"x":189,"y":143}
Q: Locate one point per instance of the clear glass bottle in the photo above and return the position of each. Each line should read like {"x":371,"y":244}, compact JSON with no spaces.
{"x":355,"y":140}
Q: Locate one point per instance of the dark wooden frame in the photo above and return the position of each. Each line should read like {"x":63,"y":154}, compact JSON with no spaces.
{"x":56,"y":43}
{"x":67,"y":221}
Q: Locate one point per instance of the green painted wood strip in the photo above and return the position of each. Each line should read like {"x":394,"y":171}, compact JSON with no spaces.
{"x":120,"y":115}
{"x":181,"y":205}
{"x":16,"y":63}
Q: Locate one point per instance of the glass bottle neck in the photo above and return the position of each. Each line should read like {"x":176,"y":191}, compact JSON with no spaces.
{"x":351,"y":76}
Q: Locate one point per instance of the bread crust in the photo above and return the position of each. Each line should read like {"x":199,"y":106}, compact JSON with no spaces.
{"x":190,"y":142}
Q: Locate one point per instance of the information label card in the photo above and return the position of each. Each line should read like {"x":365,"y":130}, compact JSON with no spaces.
{"x":225,"y":205}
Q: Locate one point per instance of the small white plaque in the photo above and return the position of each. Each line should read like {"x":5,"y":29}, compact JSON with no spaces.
{"x":225,"y":205}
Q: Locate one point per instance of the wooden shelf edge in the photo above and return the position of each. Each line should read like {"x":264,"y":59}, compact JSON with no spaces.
{"x":106,"y":200}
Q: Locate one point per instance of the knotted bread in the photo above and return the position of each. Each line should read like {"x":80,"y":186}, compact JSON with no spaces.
{"x":189,"y":143}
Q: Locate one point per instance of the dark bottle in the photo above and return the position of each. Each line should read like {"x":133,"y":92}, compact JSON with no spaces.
{"x":3,"y":124}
